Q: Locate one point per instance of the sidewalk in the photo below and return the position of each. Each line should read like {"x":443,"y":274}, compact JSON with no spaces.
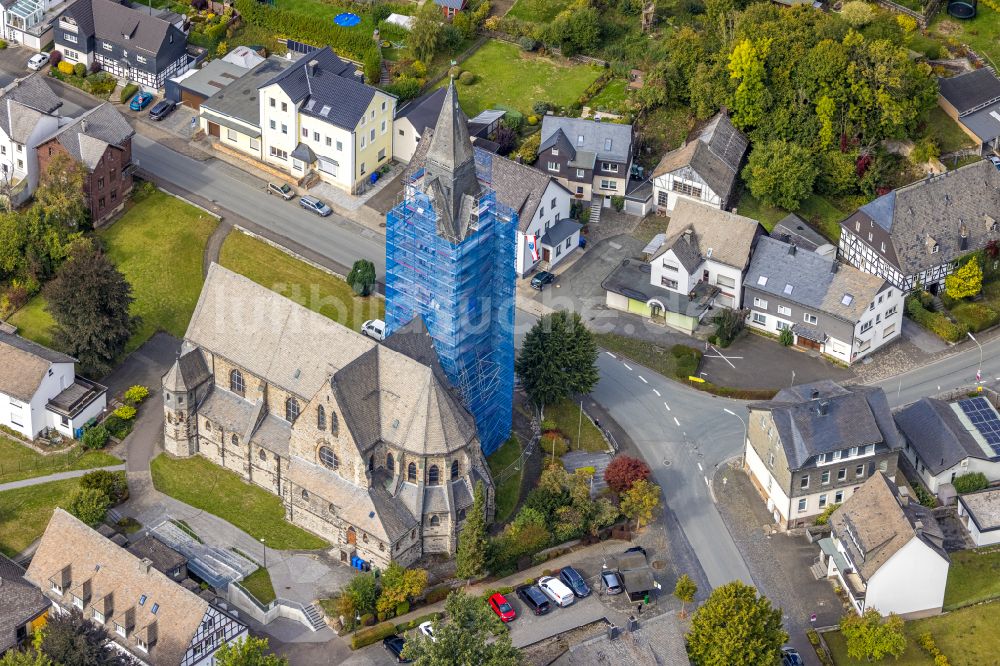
{"x":58,"y":476}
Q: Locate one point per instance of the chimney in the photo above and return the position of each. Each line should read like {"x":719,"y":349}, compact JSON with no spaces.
{"x":791,"y":249}
{"x":148,"y":563}
{"x":83,"y":125}
{"x":815,"y":394}
{"x":313,"y":66}
{"x":688,"y":234}
{"x":918,"y":527}
{"x":823,"y":407}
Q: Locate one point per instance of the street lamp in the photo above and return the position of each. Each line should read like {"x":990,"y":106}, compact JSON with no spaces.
{"x":745,"y":433}
{"x":264,"y":541}
{"x":979,"y":372}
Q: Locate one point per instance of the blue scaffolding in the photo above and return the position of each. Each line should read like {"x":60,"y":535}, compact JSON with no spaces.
{"x":465,"y":293}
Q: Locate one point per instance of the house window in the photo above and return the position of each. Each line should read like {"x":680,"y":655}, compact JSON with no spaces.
{"x":579,"y":173}
{"x":334,"y":424}
{"x":383,"y":105}
{"x":329,"y":142}
{"x":411,"y":472}
{"x":263,"y":454}
{"x":291,"y":409}
{"x":390,"y":464}
{"x":841,"y":474}
{"x":120,"y":630}
{"x":20,"y":163}
{"x":454,"y":470}
{"x":838,"y":497}
{"x":891,"y":311}
{"x":383,"y":127}
{"x":254,"y":144}
{"x":609,"y":167}
{"x":141,"y":644}
{"x":371,"y":136}
{"x":278,"y":153}
{"x":363,"y":170}
{"x":770,"y":459}
{"x":231,"y":134}
{"x":804,"y":481}
{"x":782,"y":325}
{"x":340,"y":146}
{"x":274,"y":125}
{"x":668,"y":282}
{"x":328,"y":457}
{"x":725,"y":281}
{"x":284,"y":128}
{"x":305,"y":494}
{"x":824,"y":478}
{"x":71,"y":38}
{"x":305,"y":133}
{"x":362,"y":141}
{"x":608,"y":185}
{"x":381,"y":154}
{"x":782,"y":310}
{"x":435,"y":521}
{"x":235,"y":440}
{"x":107,"y":46}
{"x":98,"y":617}
{"x":822,"y":501}
{"x":141,"y":59}
{"x":433,"y":476}
{"x":553,"y":166}
{"x":670,"y":267}
{"x":579,"y":140}
{"x":236,"y":384}
{"x":272,"y":102}
{"x":284,"y":106}
{"x":867,"y":326}
{"x":316,"y":136}
{"x":114,"y":194}
{"x":859,"y":471}
{"x":686,"y":188}
{"x":100,"y":202}
{"x":320,"y":418}
{"x":759,"y":303}
{"x":803,"y":504}
{"x":555,"y":152}
{"x":760,"y":318}
{"x":889,"y":330}
{"x":809,"y":318}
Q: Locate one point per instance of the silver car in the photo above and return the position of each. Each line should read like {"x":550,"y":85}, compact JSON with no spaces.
{"x":313,"y":204}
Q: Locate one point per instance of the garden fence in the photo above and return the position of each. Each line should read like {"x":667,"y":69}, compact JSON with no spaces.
{"x":40,"y":467}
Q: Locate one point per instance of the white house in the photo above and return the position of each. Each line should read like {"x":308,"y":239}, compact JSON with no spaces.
{"x":980,"y":513}
{"x":411,"y":122}
{"x":39,"y":389}
{"x":947,"y":439}
{"x":887,"y":552}
{"x":827,"y":306}
{"x":28,"y":115}
{"x":704,"y":169}
{"x":29,"y":22}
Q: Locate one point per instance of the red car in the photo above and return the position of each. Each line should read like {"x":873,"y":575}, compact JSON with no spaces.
{"x":502,"y":607}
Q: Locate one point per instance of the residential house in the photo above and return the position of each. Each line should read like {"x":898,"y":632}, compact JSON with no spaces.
{"x":23,"y":607}
{"x":886,"y":552}
{"x":793,"y":229}
{"x":39,"y":389}
{"x":366,"y":444}
{"x":916,"y":235}
{"x":411,"y":122}
{"x":972,"y":100}
{"x":980,"y":513}
{"x":29,"y":112}
{"x":450,"y":7}
{"x":704,"y":169}
{"x":101,"y":142}
{"x":318,"y":116}
{"x":162,"y":557}
{"x":129,"y":43}
{"x":29,"y":22}
{"x":196,"y":85}
{"x":813,"y":445}
{"x":945,"y":439}
{"x":591,"y":159}
{"x":831,"y":308}
{"x":147,"y":615}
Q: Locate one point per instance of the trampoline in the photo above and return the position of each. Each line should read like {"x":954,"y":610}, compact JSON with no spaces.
{"x":962,"y":9}
{"x":347,"y":20}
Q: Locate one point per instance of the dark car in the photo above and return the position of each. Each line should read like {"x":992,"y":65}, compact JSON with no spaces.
{"x":574,"y":581}
{"x":314,"y":205}
{"x":394,"y":645}
{"x":162,"y":109}
{"x":612,"y":582}
{"x":534,"y":599}
{"x":790,"y":657}
{"x":539,"y":281}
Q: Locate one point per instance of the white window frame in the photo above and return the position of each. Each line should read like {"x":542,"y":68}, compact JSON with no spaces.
{"x":759,"y":302}
{"x":786,"y":311}
{"x":810,"y":318}
{"x":760,"y":318}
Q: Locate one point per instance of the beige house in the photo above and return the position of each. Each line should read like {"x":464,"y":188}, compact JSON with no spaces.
{"x":367,"y":444}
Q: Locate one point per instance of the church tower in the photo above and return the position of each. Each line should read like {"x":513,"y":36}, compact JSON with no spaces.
{"x":184,"y":386}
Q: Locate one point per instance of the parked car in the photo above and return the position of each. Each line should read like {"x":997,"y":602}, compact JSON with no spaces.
{"x":555,"y":590}
{"x":162,"y":109}
{"x":374,"y":328}
{"x":791,"y":657}
{"x":502,"y":607}
{"x":427,"y":629}
{"x":314,"y":205}
{"x":574,"y":581}
{"x":140,"y":101}
{"x":541,"y":279}
{"x":394,"y":645}
{"x":37,"y":61}
{"x":284,"y":190}
{"x":534,"y":599}
{"x":995,"y":160}
{"x":612,"y":582}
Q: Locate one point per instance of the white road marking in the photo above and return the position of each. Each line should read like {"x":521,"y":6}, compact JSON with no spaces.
{"x":667,"y":406}
{"x":723,"y":357}
{"x":706,"y":481}
{"x":700,"y":468}
{"x":610,"y":354}
{"x":643,"y":379}
{"x":658,"y":393}
{"x":627,"y":367}
{"x":677,"y":422}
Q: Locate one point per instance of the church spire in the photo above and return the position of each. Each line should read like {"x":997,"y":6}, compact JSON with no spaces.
{"x":451,"y":146}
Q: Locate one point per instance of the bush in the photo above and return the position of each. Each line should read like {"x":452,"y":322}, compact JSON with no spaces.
{"x":924,"y":496}
{"x":402,"y":608}
{"x":127,"y":93}
{"x":112,"y":484}
{"x":527,"y":43}
{"x":3,"y":44}
{"x":970,"y":482}
{"x":540,"y":108}
{"x":532,"y":120}
{"x":90,"y":506}
{"x":404,"y":87}
{"x":95,"y":438}
{"x":688,"y":360}
{"x":362,"y":277}
{"x":125,"y":412}
{"x":366,"y":637}
{"x":117,"y":427}
{"x":785,"y":337}
{"x":824,"y":518}
{"x":935,"y":322}
{"x":467,"y":78}
{"x":65,"y":67}
{"x":436,"y":594}
{"x":80,"y":69}
{"x":136,"y":394}
{"x":728,"y":324}
{"x":975,"y":316}
{"x":527,"y":152}
{"x":618,"y":202}
{"x":55,"y":58}
{"x":554,"y":444}
{"x":623,"y":471}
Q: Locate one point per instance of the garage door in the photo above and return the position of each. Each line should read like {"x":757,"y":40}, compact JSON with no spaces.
{"x":191,"y":99}
{"x":213,"y":129}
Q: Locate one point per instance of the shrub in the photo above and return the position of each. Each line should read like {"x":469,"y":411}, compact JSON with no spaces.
{"x":117,"y":427}
{"x":907,"y":23}
{"x":785,"y":337}
{"x":136,"y":394}
{"x":80,"y":69}
{"x":65,"y":67}
{"x":127,"y":92}
{"x":436,"y":594}
{"x":623,"y":471}
{"x":528,"y":151}
{"x":371,"y":635}
{"x":970,"y":482}
{"x":373,"y":67}
{"x":618,"y":202}
{"x":467,"y":78}
{"x":728,"y":324}
{"x":55,"y":58}
{"x":858,"y":13}
{"x":924,"y":496}
{"x":95,"y":438}
{"x":362,"y":277}
{"x":455,"y":72}
{"x":548,"y":425}
{"x":554,"y":445}
{"x":404,"y":87}
{"x":90,"y":506}
{"x":112,"y":484}
{"x":935,"y":322}
{"x":402,"y":608}
{"x":824,"y":518}
{"x":540,"y":108}
{"x":3,"y":44}
{"x":532,"y":120}
{"x":125,"y":412}
{"x":527,"y":43}
{"x":975,"y":316}
{"x":688,"y":360}
{"x":367,"y":620}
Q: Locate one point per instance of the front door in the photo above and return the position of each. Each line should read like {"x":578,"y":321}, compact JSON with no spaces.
{"x":545,"y":254}
{"x":213,"y":130}
{"x":352,"y":537}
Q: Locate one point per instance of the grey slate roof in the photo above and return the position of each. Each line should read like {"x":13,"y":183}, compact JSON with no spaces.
{"x":187,"y":372}
{"x":595,"y":136}
{"x":814,"y":284}
{"x":21,"y":104}
{"x":727,"y":237}
{"x":164,"y":558}
{"x":214,"y":76}
{"x":423,"y":112}
{"x":520,"y":188}
{"x":715,"y":155}
{"x":632,"y":280}
{"x":971,"y":90}
{"x":984,"y":123}
{"x":839,"y":418}
{"x":560,"y":231}
{"x":937,"y":435}
{"x":935,"y":209}
{"x":793,"y":229}
{"x":239,"y":99}
{"x":451,"y":4}
{"x":304,"y":153}
{"x":89,"y":136}
{"x":112,"y":21}
{"x":20,"y":601}
{"x":23,"y":365}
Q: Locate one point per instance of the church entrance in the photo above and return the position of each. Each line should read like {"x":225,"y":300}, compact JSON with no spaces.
{"x":352,"y":537}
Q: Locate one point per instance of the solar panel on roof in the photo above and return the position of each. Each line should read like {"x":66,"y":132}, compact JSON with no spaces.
{"x":984,"y":418}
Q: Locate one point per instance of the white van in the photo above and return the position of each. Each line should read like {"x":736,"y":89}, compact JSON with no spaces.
{"x":374,"y":328}
{"x":556,"y":590}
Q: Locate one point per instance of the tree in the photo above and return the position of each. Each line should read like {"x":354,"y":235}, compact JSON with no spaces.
{"x":60,"y":194}
{"x":112,"y":484}
{"x":640,"y":502}
{"x":728,"y":324}
{"x":90,"y":505}
{"x":425,"y":34}
{"x":965,"y":282}
{"x":248,"y":651}
{"x":558,"y":358}
{"x":472,"y":634}
{"x":89,"y":300}
{"x":780,"y":173}
{"x":399,"y":585}
{"x":623,"y":471}
{"x":359,"y":597}
{"x":869,"y":638}
{"x":684,"y":590}
{"x":70,"y":640}
{"x":735,"y":626}
{"x":362,"y":277}
{"x":473,"y":542}
{"x":32,"y":656}
{"x":752,"y":97}
{"x":373,"y":66}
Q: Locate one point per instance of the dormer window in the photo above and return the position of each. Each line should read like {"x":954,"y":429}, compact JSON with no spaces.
{"x":579,"y":140}
{"x":788,"y":289}
{"x":555,"y":152}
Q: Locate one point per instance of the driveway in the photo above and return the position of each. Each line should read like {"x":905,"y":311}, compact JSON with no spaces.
{"x":753,"y":361}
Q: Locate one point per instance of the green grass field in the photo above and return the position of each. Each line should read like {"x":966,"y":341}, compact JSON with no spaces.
{"x":974,"y":576}
{"x":819,"y":211}
{"x":259,"y":585}
{"x":946,"y":132}
{"x":611,"y":97}
{"x":25,"y":512}
{"x":18,"y":462}
{"x":315,"y":289}
{"x":507,"y":76}
{"x":537,"y":11}
{"x":206,"y":486}
{"x":581,"y":432}
{"x":981,"y":33}
{"x":509,"y":491}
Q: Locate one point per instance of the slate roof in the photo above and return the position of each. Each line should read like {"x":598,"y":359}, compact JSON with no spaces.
{"x":520,"y":188}
{"x":793,"y":229}
{"x":984,"y":508}
{"x":882,"y":521}
{"x":936,"y":210}
{"x":112,"y":21}
{"x":187,"y":372}
{"x":450,"y":4}
{"x":216,"y":75}
{"x":729,"y":237}
{"x":595,"y":136}
{"x":560,"y":231}
{"x":938,"y":436}
{"x":33,"y":92}
{"x":714,"y":154}
{"x":971,"y":90}
{"x":88,"y":137}
{"x":23,"y":365}
{"x":813,"y":281}
{"x":423,"y":112}
{"x":838,"y":418}
{"x":163,"y":557}
{"x":239,"y":99}
{"x":20,"y":601}
{"x":984,"y":123}
{"x":70,"y":546}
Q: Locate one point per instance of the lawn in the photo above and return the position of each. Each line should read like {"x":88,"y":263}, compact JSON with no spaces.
{"x":509,"y":491}
{"x":508,"y":77}
{"x":656,"y":358}
{"x":208,"y":487}
{"x":18,"y":462}
{"x":259,"y":585}
{"x":25,"y":512}
{"x":611,"y":97}
{"x":946,"y":132}
{"x":537,"y":11}
{"x":158,"y":245}
{"x":579,"y":431}
{"x":663,"y":129}
{"x":981,"y":33}
{"x":315,"y":289}
{"x":974,"y":576}
{"x":820,"y":212}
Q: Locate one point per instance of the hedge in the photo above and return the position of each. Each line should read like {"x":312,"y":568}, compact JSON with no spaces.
{"x":934,"y":322}
{"x":366,"y":637}
{"x":975,"y":316}
{"x":436,"y":594}
{"x":127,"y":92}
{"x":970,"y":482}
{"x":688,"y":360}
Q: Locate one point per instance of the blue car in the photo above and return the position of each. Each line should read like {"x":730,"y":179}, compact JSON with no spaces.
{"x":140,"y":101}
